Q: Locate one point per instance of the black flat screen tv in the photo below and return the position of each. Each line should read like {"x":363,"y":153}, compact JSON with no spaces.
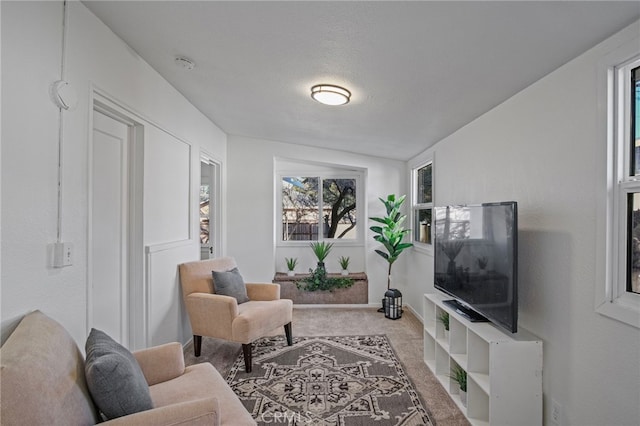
{"x":476,"y":260}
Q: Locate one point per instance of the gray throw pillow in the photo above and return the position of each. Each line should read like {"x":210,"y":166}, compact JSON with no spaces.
{"x":114,"y":378}
{"x":230,"y":283}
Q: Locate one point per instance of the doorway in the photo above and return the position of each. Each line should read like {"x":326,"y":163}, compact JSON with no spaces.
{"x":209,"y":208}
{"x":116,"y":294}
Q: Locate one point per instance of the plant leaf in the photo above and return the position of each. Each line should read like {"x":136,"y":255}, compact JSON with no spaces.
{"x":376,"y":229}
{"x":383,"y":254}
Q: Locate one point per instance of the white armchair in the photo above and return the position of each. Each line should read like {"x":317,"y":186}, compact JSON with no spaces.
{"x":219,"y":316}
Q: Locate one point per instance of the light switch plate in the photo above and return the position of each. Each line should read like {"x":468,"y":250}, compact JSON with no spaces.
{"x":62,"y":254}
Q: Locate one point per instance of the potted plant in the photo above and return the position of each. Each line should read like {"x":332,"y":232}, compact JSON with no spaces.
{"x":291,"y":265}
{"x":318,"y":278}
{"x":344,"y":264}
{"x":443,"y":317}
{"x":459,"y":375}
{"x":321,"y":250}
{"x":391,"y":233}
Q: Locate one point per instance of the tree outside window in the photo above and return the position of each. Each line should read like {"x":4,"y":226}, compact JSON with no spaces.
{"x":339,"y":199}
{"x":424,"y":184}
{"x":316,"y":208}
{"x":205,"y":200}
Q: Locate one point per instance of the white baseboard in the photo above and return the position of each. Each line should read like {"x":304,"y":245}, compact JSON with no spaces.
{"x":340,"y":305}
{"x":415,"y":313}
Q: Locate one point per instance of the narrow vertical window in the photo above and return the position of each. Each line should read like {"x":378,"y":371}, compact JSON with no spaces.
{"x":633,"y":199}
{"x":628,"y":190}
{"x":633,"y":242}
{"x":423,"y":203}
{"x":635,"y":122}
{"x":204,"y":213}
{"x":424,"y":187}
{"x":618,"y":288}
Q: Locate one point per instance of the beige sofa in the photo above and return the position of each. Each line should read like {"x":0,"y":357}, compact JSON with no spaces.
{"x":42,"y":382}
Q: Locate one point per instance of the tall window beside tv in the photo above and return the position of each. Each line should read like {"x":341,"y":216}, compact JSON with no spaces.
{"x":476,"y":260}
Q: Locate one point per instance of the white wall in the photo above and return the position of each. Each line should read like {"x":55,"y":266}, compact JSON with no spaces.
{"x":544,"y":149}
{"x":31,"y":44}
{"x":251,"y":208}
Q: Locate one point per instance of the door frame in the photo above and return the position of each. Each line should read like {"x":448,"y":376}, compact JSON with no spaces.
{"x":137,"y":306}
{"x":215,"y":214}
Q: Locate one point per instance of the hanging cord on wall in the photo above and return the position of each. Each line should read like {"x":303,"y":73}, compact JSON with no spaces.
{"x":61,"y":120}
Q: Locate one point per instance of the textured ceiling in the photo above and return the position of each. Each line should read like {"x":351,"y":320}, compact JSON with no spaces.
{"x":418,"y":71}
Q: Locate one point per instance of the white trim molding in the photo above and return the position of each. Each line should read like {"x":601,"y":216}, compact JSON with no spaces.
{"x":611,"y":296}
{"x":425,"y":158}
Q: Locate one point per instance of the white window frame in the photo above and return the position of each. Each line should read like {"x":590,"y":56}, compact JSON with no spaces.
{"x":333,"y":173}
{"x":417,"y":163}
{"x":612,"y":298}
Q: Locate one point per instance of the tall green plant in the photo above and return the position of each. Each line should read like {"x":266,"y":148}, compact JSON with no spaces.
{"x":321,"y":249}
{"x":392,"y":231}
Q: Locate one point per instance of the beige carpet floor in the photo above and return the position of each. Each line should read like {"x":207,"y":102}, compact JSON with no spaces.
{"x":405,"y":335}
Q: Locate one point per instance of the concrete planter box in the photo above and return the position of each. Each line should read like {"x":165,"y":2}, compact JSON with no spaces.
{"x":358,"y":293}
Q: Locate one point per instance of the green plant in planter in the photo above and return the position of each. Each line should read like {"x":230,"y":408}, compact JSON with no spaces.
{"x":291,"y":263}
{"x":460,"y":376}
{"x":321,"y":250}
{"x":344,"y":262}
{"x":444,"y":319}
{"x":318,"y":280}
{"x":392,"y":231}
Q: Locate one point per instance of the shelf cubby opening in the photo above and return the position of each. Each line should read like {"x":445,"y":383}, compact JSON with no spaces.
{"x":429,"y":348}
{"x":441,"y":332}
{"x":454,"y":387}
{"x":429,"y":313}
{"x":457,"y":337}
{"x":479,"y":362}
{"x":477,"y":402}
{"x":442,"y":362}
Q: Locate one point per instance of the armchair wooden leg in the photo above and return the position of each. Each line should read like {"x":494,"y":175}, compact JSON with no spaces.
{"x":287,"y":332}
{"x":197,"y":345}
{"x":246,"y":350}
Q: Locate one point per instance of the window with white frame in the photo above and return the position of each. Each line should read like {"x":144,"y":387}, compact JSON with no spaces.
{"x":620,"y":295}
{"x":632,"y":181}
{"x":422,"y":183}
{"x":320,"y":206}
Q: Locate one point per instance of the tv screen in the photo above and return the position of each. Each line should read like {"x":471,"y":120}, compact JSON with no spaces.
{"x":476,"y":260}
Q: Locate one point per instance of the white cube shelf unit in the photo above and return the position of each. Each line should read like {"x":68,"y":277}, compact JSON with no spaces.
{"x":504,"y":370}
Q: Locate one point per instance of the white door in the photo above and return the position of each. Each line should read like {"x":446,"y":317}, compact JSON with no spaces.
{"x":110,"y":224}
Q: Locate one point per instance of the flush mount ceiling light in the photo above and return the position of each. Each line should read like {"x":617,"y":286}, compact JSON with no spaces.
{"x":329,"y":94}
{"x":185,"y":63}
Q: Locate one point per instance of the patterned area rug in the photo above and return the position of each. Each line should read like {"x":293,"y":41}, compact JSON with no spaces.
{"x":337,"y":380}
